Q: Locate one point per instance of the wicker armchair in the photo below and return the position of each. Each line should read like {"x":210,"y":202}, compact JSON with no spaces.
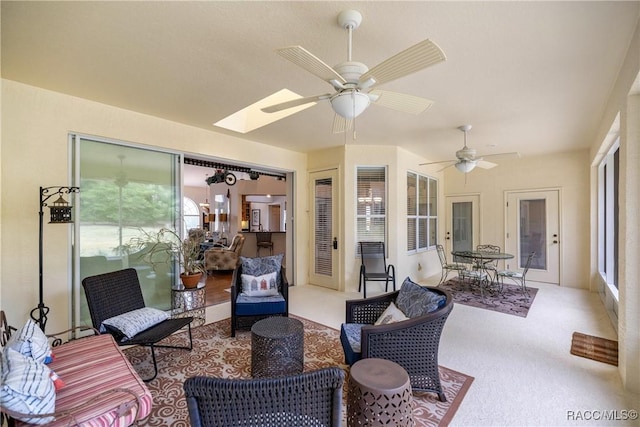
{"x":224,"y":258}
{"x":307,"y":399}
{"x":412,"y":343}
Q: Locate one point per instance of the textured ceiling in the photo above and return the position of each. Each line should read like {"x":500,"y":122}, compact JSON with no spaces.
{"x":531,"y":77}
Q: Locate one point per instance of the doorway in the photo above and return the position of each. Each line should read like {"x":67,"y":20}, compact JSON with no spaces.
{"x":532,"y":225}
{"x":463,"y":227}
{"x":324,"y":269}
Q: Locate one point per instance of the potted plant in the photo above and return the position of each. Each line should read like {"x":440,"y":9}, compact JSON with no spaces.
{"x":166,"y":246}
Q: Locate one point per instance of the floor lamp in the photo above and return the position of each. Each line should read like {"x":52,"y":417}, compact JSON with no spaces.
{"x":60,"y":214}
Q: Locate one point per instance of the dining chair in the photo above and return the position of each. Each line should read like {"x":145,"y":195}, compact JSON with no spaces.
{"x":373,"y":267}
{"x":491,"y":265}
{"x":263,"y":240}
{"x":516,"y":276}
{"x":446,"y":266}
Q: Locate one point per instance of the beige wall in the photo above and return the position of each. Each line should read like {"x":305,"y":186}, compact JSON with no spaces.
{"x":35,"y":152}
{"x":568,"y":172}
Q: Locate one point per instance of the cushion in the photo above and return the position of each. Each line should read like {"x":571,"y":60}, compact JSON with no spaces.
{"x":350,"y":337}
{"x":391,"y":315}
{"x":133,"y":322}
{"x":259,"y":286}
{"x":414,"y":300}
{"x":253,"y":306}
{"x":31,"y":342}
{"x":262,"y":265}
{"x":27,"y":387}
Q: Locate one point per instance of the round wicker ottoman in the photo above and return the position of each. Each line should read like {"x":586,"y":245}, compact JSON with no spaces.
{"x":277,"y":347}
{"x":379,"y":394}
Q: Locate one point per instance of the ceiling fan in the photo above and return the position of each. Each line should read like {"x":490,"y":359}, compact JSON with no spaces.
{"x":466,"y":159}
{"x":355,"y":84}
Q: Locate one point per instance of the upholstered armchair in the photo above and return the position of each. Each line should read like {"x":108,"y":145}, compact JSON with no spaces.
{"x":224,"y":258}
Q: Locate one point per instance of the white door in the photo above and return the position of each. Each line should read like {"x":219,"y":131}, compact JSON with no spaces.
{"x":324,"y":239}
{"x":463,"y":223}
{"x":532,"y":225}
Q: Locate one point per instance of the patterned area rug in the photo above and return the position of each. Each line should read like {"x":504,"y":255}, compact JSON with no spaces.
{"x":596,"y":348}
{"x":510,"y":301}
{"x":215,"y":353}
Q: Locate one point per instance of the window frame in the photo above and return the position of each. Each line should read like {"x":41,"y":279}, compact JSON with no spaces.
{"x":428,"y":217}
{"x":608,"y":217}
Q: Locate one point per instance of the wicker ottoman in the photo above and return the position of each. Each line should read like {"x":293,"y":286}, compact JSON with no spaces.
{"x":277,"y":347}
{"x":379,"y":394}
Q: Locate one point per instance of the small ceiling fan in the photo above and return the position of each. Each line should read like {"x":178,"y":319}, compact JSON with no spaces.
{"x":355,"y":84}
{"x":466,"y":159}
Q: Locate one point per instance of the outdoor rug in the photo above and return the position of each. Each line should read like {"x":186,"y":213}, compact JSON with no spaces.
{"x":600,"y":349}
{"x":510,"y":301}
{"x":215,"y":353}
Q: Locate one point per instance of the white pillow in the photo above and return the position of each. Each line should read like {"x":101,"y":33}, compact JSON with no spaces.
{"x":27,"y":387}
{"x":391,"y":315}
{"x":260,"y":286}
{"x":133,"y":322}
{"x":31,"y":342}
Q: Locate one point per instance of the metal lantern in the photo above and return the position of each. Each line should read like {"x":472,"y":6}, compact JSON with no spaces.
{"x":60,"y":211}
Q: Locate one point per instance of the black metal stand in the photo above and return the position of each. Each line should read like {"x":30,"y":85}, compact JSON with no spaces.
{"x":59,"y":215}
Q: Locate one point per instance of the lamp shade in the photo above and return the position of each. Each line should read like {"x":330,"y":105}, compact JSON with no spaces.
{"x":212,"y":217}
{"x":466,"y":166}
{"x":350,"y":103}
{"x":223,"y":217}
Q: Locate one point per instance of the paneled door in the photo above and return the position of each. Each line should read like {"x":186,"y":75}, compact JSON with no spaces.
{"x":324,"y":239}
{"x":463,"y":223}
{"x":533,"y":226}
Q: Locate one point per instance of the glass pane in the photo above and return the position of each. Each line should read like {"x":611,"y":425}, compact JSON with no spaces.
{"x":433,"y":229}
{"x":433,"y":198}
{"x":411,"y":234}
{"x":422,"y":232}
{"x":323,"y":226}
{"x":411,"y":194}
{"x":370,"y":229}
{"x":124,"y":190}
{"x":422,"y":195}
{"x":462,"y":226}
{"x":533,"y":232}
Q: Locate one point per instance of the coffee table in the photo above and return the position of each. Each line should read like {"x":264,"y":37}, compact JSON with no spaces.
{"x":277,"y":347}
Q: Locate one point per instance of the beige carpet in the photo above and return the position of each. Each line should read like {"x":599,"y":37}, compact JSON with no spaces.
{"x":216,"y":354}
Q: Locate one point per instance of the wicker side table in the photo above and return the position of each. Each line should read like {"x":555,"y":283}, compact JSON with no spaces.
{"x":379,"y":394}
{"x":277,"y":347}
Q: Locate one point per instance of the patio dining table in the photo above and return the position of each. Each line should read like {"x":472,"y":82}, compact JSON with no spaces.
{"x":480,"y":259}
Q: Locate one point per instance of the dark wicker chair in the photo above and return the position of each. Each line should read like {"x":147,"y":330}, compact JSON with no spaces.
{"x":307,"y":399}
{"x":413,"y":343}
{"x":118,"y":292}
{"x":247,"y":310}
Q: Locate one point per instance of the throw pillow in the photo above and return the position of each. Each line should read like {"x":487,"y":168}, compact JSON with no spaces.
{"x":31,"y":342}
{"x":259,"y":286}
{"x":133,"y":322}
{"x":414,"y":300}
{"x":27,"y":387}
{"x":391,"y":315}
{"x":262,"y":265}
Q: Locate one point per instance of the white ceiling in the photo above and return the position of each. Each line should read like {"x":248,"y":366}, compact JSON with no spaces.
{"x":531,"y":77}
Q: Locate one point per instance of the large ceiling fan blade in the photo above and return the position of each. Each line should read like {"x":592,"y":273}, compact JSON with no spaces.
{"x":511,"y":154}
{"x":437,"y":163}
{"x":340,"y":124}
{"x":415,"y":58}
{"x":294,"y":103}
{"x":485,"y":165}
{"x":305,"y":59}
{"x":401,"y":101}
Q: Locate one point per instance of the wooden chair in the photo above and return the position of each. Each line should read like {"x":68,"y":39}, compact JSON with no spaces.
{"x":373,"y":267}
{"x":263,"y":240}
{"x":311,"y":398}
{"x":118,"y":292}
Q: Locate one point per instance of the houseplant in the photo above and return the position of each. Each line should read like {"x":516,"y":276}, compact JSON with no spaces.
{"x":166,"y":246}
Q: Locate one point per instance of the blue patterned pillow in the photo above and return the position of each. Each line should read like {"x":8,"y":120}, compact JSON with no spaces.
{"x":414,"y":300}
{"x":128,"y":325}
{"x":261,"y":266}
{"x":27,"y":387}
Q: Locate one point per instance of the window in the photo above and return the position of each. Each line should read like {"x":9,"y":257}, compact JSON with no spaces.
{"x":371,"y":207}
{"x":608,"y":215}
{"x":191,"y":215}
{"x":422,"y":212}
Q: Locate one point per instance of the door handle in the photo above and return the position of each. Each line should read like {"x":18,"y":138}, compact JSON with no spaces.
{"x":335,"y":243}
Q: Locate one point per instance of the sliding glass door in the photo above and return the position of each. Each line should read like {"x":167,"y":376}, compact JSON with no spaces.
{"x":123,"y":190}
